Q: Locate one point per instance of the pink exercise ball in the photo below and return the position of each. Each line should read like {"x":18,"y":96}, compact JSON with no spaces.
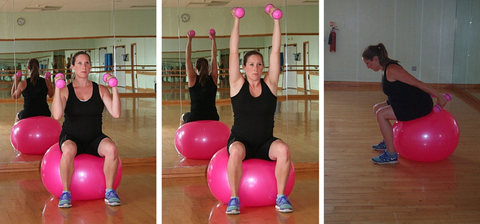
{"x":34,"y":135}
{"x":201,"y":139}
{"x":88,"y":180}
{"x":427,"y":139}
{"x":258,"y":185}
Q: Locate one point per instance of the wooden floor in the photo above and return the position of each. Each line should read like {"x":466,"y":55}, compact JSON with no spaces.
{"x":358,"y":191}
{"x":25,"y":200}
{"x":189,"y":201}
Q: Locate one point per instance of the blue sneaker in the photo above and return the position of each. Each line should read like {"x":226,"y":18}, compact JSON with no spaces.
{"x":282,"y":204}
{"x":233,"y":206}
{"x":380,"y":146}
{"x":65,"y":200}
{"x":111,"y":198}
{"x":385,"y":158}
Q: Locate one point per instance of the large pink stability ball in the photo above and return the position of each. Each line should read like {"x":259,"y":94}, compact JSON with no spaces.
{"x":427,"y":139}
{"x":88,"y":180}
{"x":201,"y":139}
{"x":35,"y":135}
{"x":258,"y":185}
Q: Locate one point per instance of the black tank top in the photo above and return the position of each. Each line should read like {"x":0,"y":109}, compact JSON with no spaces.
{"x":408,"y":102}
{"x":202,"y":100}
{"x":83,"y":119}
{"x":254,"y":116}
{"x":35,"y":99}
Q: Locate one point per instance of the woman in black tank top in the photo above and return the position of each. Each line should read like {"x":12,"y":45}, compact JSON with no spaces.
{"x":202,"y":87}
{"x":34,"y":90}
{"x":82,"y":104}
{"x":408,"y":98}
{"x":253,"y":102}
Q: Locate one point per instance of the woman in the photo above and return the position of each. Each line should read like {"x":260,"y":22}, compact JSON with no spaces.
{"x":408,"y":98}
{"x":34,"y":90}
{"x":254,"y":101}
{"x":202,"y":86}
{"x":82,"y":103}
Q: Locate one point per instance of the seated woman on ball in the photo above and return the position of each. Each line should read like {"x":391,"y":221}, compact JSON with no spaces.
{"x":408,"y":98}
{"x":82,"y":103}
{"x":34,"y":91}
{"x":202,"y":86}
{"x":254,"y":101}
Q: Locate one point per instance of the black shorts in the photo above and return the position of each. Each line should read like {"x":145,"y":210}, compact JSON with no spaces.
{"x":253,"y":151}
{"x":83,"y":147}
{"x":188,"y":117}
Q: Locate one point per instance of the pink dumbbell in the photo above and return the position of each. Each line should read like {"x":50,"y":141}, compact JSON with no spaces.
{"x":276,"y":14}
{"x":61,"y":82}
{"x":112,"y":82}
{"x":239,"y":12}
{"x":191,"y":33}
{"x":19,"y":74}
{"x":437,"y":108}
{"x":211,"y":32}
{"x":47,"y":75}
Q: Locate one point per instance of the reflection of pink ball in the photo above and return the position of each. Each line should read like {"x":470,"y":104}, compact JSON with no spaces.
{"x":34,"y":135}
{"x":19,"y":74}
{"x":191,"y":33}
{"x":88,"y":180}
{"x":258,"y":186}
{"x":47,"y":75}
{"x":427,"y":139}
{"x":201,"y":139}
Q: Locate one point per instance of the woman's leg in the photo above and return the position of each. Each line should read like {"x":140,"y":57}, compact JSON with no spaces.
{"x":280,"y":152}
{"x":384,"y":115}
{"x":69,"y":151}
{"x":108,"y":149}
{"x":234,"y":172}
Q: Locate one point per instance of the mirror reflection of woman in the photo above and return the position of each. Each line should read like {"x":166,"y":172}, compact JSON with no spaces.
{"x":34,"y":90}
{"x":202,"y":85}
{"x":82,"y":103}
{"x":254,"y":101}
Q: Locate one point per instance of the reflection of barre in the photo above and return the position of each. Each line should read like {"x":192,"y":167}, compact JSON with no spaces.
{"x":112,"y":81}
{"x":191,"y":33}
{"x":211,"y":32}
{"x":437,"y":108}
{"x":47,"y":75}
{"x":276,"y":14}
{"x":238,"y":12}
{"x":61,"y":82}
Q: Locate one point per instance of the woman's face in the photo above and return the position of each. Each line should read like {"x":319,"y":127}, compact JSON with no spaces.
{"x":82,"y":65}
{"x":373,"y":64}
{"x":254,"y":67}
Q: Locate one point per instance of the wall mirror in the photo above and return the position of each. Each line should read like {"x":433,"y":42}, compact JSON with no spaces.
{"x":299,"y":82}
{"x":120,"y":37}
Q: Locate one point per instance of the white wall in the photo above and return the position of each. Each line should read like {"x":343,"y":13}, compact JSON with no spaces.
{"x":416,"y":32}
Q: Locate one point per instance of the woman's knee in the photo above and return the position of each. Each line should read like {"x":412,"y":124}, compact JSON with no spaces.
{"x":69,"y":149}
{"x":107,"y":148}
{"x":280,"y":149}
{"x":237,"y":151}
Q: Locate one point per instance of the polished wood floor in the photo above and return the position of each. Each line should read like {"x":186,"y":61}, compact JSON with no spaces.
{"x":189,"y":201}
{"x":25,"y":200}
{"x":358,"y":191}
